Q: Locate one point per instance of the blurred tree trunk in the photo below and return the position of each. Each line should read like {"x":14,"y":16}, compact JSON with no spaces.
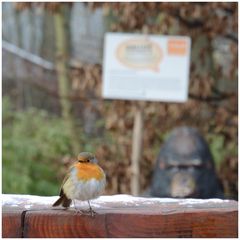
{"x":62,"y":46}
{"x":17,"y":61}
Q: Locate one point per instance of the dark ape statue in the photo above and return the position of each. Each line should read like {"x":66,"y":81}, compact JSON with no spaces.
{"x":185,"y":168}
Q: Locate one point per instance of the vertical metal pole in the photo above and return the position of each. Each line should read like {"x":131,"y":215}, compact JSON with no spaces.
{"x":137,"y":149}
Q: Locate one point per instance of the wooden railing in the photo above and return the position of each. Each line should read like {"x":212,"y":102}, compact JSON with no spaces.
{"x":119,"y":216}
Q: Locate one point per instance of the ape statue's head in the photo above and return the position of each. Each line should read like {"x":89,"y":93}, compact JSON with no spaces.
{"x":185,"y":168}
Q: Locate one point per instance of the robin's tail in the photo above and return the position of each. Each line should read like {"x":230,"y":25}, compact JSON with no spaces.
{"x":64,"y":201}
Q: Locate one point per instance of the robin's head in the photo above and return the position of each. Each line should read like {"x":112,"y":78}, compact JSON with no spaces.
{"x":86,"y":157}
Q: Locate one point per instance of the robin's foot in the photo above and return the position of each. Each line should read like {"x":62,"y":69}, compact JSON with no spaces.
{"x":91,"y":212}
{"x":78,"y":211}
{"x":85,"y":212}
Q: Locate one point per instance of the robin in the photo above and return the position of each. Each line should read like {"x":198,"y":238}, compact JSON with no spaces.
{"x":85,"y":180}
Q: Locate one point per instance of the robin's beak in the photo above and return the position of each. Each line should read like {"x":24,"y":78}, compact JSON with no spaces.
{"x":94,"y":160}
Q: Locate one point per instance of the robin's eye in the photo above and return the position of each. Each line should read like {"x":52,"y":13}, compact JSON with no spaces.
{"x":88,"y":160}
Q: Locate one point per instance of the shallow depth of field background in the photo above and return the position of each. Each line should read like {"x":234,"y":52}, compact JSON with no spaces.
{"x":43,"y":131}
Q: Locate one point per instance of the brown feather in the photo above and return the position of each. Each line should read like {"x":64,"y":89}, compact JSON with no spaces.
{"x":63,"y":200}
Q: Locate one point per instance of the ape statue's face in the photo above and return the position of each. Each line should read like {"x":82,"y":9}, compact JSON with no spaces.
{"x":182,"y":185}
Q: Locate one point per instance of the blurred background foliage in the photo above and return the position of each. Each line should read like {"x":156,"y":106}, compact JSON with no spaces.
{"x":37,"y":144}
{"x":37,"y":149}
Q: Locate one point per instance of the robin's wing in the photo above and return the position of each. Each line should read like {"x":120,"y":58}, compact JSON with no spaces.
{"x":64,"y":180}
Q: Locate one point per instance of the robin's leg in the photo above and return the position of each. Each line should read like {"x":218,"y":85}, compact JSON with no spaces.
{"x":90,"y":209}
{"x":77,"y":210}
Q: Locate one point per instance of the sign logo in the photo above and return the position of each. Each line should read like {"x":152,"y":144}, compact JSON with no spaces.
{"x":140,"y":53}
{"x":177,"y":47}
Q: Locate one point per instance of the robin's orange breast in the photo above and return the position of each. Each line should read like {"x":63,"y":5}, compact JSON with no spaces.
{"x":87,"y":171}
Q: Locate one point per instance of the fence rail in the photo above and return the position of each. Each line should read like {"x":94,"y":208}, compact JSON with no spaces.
{"x":119,"y":216}
{"x":27,"y":55}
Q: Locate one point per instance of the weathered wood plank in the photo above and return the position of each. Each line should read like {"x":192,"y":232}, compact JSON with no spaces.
{"x":61,"y":223}
{"x":217,"y":225}
{"x":203,"y":224}
{"x":12,"y":224}
{"x":120,"y":216}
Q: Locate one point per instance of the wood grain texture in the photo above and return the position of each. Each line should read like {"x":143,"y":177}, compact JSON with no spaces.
{"x":60,"y":223}
{"x":33,"y":216}
{"x":11,"y":224}
{"x":182,"y":225}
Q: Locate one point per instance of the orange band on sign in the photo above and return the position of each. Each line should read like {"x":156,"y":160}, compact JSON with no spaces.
{"x":177,"y":47}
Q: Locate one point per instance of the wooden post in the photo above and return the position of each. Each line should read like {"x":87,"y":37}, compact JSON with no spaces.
{"x":137,"y":149}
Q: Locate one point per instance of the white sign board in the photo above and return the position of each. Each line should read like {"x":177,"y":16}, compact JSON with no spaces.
{"x":146,"y":67}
